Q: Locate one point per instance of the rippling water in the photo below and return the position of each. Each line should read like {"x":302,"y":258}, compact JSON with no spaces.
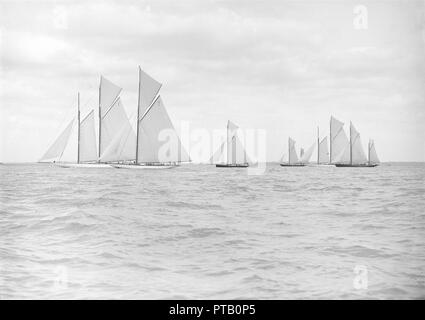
{"x":202,"y":232}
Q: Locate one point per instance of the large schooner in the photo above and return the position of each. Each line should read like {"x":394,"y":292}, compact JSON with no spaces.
{"x":234,"y":156}
{"x":112,"y":121}
{"x":153,"y":128}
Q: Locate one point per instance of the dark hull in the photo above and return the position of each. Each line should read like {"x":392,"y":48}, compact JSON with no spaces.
{"x":240,"y":165}
{"x":342,"y":165}
{"x":292,"y":165}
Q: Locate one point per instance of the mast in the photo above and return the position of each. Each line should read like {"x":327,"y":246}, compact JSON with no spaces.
{"x":78,"y":119}
{"x":330,"y":141}
{"x":100,"y":118}
{"x":137,"y":125}
{"x":318,"y":145}
{"x":351,"y":143}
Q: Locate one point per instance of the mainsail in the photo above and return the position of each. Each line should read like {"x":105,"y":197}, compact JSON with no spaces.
{"x":339,"y":142}
{"x":293,"y":157}
{"x":108,"y":93}
{"x":57,"y":148}
{"x":373,"y":157}
{"x":357,"y":153}
{"x":158,"y":140}
{"x":323,"y":151}
{"x":87,"y":144}
{"x":148,"y":90}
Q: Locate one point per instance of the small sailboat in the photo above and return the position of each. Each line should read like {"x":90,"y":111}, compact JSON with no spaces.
{"x":153,"y":127}
{"x":355,"y":153}
{"x":293,"y":160}
{"x":235,"y":152}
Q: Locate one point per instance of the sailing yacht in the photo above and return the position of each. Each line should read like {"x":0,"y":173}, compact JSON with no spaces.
{"x":293,"y":160}
{"x":234,"y":155}
{"x":355,"y":154}
{"x":153,"y":126}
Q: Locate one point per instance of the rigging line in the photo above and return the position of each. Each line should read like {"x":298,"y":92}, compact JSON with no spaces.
{"x":117,"y":98}
{"x":87,"y":116}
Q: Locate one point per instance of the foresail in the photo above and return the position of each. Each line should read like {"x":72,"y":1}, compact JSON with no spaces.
{"x":148,"y":90}
{"x":88,"y":150}
{"x":108,"y":93}
{"x":158,"y":140}
{"x":56,"y":149}
{"x":323,"y":151}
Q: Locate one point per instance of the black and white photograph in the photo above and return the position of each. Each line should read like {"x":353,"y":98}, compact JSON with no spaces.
{"x":212,"y":150}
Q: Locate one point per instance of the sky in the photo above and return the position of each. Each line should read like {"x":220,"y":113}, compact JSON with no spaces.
{"x":281,"y":66}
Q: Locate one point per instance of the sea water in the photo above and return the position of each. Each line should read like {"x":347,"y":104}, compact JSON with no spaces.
{"x":201,"y":232}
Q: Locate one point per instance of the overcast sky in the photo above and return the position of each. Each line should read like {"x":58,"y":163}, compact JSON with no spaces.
{"x":284,"y":66}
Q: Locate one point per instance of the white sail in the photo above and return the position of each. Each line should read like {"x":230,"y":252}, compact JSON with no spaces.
{"x":373,"y":156}
{"x":108,"y":93}
{"x":358,"y":155}
{"x":122,"y":147}
{"x":158,"y":140}
{"x":88,"y":150}
{"x":114,"y":125}
{"x":323,"y":151}
{"x":339,"y":142}
{"x":305,"y":158}
{"x":148,"y":90}
{"x":293,"y":157}
{"x":57,"y":148}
